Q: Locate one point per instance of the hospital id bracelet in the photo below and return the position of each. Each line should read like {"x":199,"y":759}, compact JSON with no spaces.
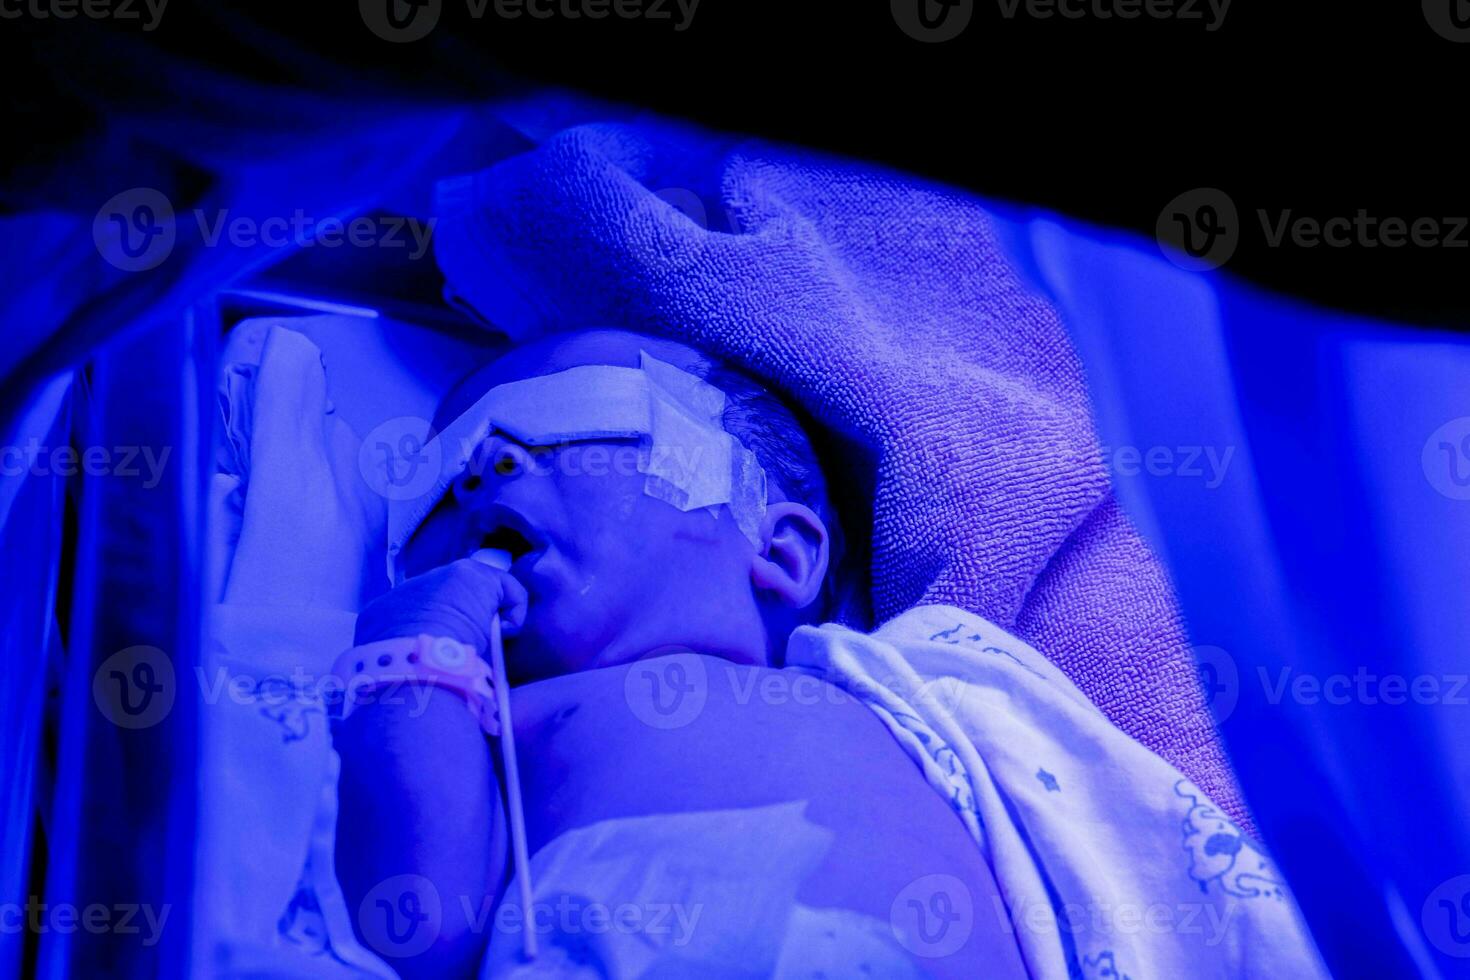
{"x":438,"y":661}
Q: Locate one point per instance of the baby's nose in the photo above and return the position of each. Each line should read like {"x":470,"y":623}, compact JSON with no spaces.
{"x":497,"y":459}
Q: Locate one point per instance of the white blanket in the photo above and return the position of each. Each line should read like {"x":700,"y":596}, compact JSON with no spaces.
{"x":1111,"y":864}
{"x":709,"y":894}
{"x":289,"y":546}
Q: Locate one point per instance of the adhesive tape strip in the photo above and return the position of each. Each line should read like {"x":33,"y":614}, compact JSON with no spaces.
{"x":687,"y":458}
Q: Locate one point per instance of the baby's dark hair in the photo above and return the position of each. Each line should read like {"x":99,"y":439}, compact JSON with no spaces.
{"x":774,"y":430}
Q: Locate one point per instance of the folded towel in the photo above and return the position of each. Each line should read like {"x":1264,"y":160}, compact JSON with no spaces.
{"x":885,"y":308}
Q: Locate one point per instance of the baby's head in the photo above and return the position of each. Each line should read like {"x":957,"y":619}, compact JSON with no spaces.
{"x":615,"y":573}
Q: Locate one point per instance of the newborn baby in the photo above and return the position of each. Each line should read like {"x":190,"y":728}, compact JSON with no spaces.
{"x":608,"y":579}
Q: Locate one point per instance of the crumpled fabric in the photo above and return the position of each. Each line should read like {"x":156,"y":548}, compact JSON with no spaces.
{"x":1111,"y":862}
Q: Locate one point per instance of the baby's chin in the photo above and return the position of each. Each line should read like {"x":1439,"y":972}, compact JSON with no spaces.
{"x":554,"y":641}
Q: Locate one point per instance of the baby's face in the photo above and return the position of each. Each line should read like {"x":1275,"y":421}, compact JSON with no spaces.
{"x":609,"y":569}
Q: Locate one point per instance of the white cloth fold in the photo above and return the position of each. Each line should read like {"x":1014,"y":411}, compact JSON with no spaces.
{"x":710,"y":894}
{"x":309,"y":520}
{"x":287,"y":560}
{"x":1110,"y":862}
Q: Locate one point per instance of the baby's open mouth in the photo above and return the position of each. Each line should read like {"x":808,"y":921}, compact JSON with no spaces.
{"x":508,"y":539}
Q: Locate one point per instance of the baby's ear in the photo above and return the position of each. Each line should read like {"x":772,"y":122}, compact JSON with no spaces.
{"x":792,"y":560}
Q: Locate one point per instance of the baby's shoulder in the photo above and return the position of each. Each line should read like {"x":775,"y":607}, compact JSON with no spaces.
{"x":683,"y":691}
{"x":734,"y":727}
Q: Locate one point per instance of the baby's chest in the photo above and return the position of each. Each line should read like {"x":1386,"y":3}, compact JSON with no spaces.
{"x":644,"y":738}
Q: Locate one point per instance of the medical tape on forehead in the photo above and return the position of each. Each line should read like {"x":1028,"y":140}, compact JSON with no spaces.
{"x":686,"y":456}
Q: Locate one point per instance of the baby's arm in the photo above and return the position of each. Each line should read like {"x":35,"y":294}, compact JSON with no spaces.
{"x":418,"y":794}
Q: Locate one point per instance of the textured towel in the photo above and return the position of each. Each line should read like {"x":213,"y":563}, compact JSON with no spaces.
{"x":885,"y":307}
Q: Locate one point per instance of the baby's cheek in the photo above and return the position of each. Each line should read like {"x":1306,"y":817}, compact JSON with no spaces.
{"x":616,"y":498}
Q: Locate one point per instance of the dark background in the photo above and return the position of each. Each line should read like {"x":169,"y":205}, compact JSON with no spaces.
{"x":1319,"y":109}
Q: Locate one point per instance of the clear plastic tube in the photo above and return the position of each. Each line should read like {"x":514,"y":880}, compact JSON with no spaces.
{"x":501,"y":560}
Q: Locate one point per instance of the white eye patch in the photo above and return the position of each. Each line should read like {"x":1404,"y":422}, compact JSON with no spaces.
{"x":687,"y":458}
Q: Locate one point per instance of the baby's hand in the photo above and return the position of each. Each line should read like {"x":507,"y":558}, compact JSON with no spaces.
{"x":456,"y":600}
